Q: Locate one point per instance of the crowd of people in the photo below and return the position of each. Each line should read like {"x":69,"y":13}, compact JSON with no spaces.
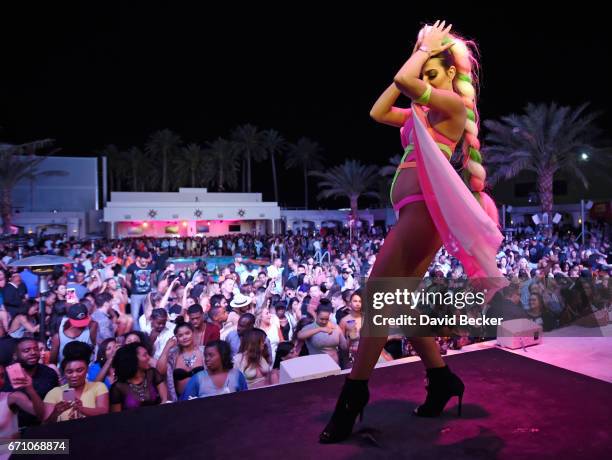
{"x":128,"y":325}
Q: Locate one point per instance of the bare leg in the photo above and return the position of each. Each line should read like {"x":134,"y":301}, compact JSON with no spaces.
{"x":428,"y":351}
{"x":407,"y":252}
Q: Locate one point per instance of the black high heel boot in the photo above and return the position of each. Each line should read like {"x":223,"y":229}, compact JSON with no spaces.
{"x":352,"y":400}
{"x":442,"y":385}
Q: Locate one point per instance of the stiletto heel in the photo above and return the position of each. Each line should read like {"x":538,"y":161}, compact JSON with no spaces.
{"x":352,"y":400}
{"x":442,"y":385}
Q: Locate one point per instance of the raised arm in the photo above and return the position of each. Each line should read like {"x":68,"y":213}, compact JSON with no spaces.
{"x":383,"y":110}
{"x":122,"y":295}
{"x":22,"y":320}
{"x":167,"y":356}
{"x":164,"y":300}
{"x":410,"y":82}
{"x":186,"y":293}
{"x":30,"y":403}
{"x":305,"y":334}
{"x":55,"y":344}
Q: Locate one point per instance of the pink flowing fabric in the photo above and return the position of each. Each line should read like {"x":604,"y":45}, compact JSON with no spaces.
{"x":467,"y":231}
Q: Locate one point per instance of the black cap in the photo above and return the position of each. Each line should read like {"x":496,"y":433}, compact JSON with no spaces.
{"x":78,"y":315}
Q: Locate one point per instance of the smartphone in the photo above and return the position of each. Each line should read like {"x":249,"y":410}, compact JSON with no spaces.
{"x":71,"y":296}
{"x":15,"y":372}
{"x":69,"y":395}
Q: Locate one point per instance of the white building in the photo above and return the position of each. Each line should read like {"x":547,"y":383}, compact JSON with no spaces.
{"x":314,"y":220}
{"x":65,"y":204}
{"x":189,"y":212}
{"x":72,"y":204}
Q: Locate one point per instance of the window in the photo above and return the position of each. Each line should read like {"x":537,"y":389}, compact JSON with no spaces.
{"x":234,"y":227}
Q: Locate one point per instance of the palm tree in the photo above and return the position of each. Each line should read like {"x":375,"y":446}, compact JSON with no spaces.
{"x":389,"y":169}
{"x":163,"y":144}
{"x":305,"y":154}
{"x":546,"y":139}
{"x":352,"y":179}
{"x":116,"y":166}
{"x":134,"y":162}
{"x":19,"y":162}
{"x":274,"y":144}
{"x":383,"y":186}
{"x":248,"y":143}
{"x":223,"y":161}
{"x":189,"y":166}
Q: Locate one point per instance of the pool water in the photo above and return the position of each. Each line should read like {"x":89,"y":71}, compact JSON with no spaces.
{"x":219,"y":262}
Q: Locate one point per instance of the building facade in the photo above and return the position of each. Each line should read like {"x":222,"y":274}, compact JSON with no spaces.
{"x":189,"y":212}
{"x":68,"y":203}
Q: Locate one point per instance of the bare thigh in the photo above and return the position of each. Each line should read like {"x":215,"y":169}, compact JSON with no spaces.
{"x":410,"y":245}
{"x":407,"y":252}
{"x":407,"y":183}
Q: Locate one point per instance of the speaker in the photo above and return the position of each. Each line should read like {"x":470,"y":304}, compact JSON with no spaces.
{"x":519,"y":333}
{"x":307,"y":368}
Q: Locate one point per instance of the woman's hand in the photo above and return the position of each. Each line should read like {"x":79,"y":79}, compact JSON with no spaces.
{"x":112,"y":355}
{"x":172,"y":342}
{"x":60,"y":408}
{"x":434,"y":36}
{"x":78,"y":404}
{"x":112,"y":377}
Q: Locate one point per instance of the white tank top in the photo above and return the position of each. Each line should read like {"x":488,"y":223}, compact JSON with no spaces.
{"x":8,"y":419}
{"x":64,"y":339}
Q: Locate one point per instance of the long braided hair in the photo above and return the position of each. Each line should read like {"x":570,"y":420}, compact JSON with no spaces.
{"x":463,"y":55}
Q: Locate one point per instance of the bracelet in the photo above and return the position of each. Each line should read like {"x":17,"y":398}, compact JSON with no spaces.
{"x":425,"y":50}
{"x":424,"y":99}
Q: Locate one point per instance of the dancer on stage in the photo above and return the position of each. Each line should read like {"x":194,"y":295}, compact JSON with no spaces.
{"x":434,"y":205}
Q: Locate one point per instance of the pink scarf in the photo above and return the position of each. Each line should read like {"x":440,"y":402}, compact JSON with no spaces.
{"x":467,"y":231}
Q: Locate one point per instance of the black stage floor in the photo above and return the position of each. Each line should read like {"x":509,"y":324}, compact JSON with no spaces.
{"x":513,"y":408}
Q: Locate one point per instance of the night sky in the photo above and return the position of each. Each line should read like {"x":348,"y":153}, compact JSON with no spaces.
{"x":93,"y":75}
